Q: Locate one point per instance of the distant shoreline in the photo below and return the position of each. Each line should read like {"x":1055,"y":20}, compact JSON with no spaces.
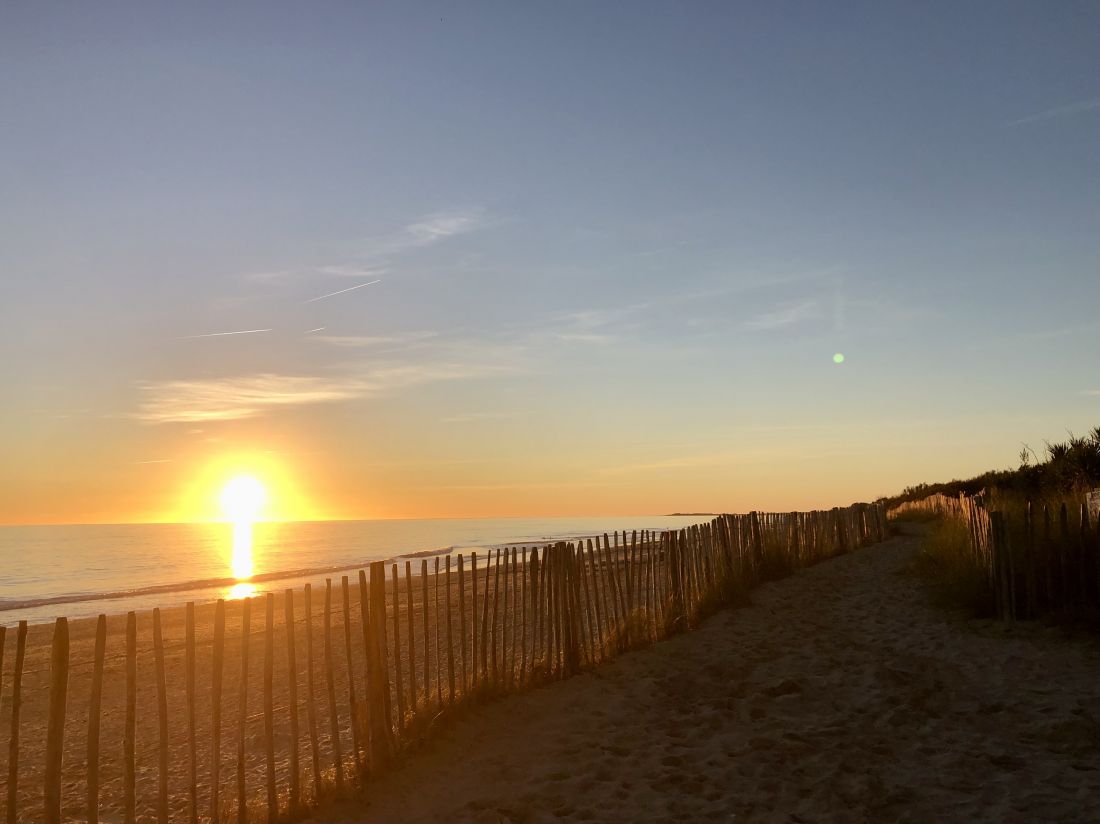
{"x":690,"y":514}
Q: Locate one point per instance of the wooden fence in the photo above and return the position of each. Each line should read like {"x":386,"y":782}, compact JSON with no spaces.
{"x":348,"y":684}
{"x":1037,"y":559}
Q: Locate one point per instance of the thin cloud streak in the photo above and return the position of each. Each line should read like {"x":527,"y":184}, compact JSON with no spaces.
{"x":342,"y":291}
{"x":783,"y":318}
{"x":194,"y":401}
{"x":223,"y":334}
{"x":1065,"y":110}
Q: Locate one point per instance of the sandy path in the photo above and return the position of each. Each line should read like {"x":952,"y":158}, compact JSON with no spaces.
{"x":842,"y":694}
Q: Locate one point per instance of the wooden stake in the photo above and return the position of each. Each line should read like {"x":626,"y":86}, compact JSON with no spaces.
{"x":450,"y":638}
{"x":493,"y":633}
{"x":353,"y":705}
{"x":438,"y":644}
{"x":330,"y":687}
{"x":505,"y":679}
{"x":242,"y":710}
{"x":189,"y":685}
{"x":162,"y":717}
{"x":311,"y":695}
{"x":462,"y":625}
{"x":412,"y":636}
{"x":92,"y":797}
{"x":427,"y":634}
{"x":475,"y":677}
{"x":523,"y":619}
{"x":129,"y":736}
{"x":373,"y":674}
{"x":269,"y":708}
{"x":13,"y":735}
{"x":378,"y":695}
{"x":218,"y":662}
{"x":484,"y":642}
{"x":55,"y":724}
{"x":292,"y":699}
{"x":397,"y":651}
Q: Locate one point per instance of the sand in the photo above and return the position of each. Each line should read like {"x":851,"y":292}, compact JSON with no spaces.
{"x":841,"y":694}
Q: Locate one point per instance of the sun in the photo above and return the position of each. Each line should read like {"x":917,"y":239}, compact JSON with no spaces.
{"x":242,"y":499}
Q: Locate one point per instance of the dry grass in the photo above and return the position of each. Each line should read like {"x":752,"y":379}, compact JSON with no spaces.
{"x":948,"y":562}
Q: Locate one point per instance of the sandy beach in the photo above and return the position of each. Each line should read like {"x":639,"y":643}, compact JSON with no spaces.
{"x":841,"y":694}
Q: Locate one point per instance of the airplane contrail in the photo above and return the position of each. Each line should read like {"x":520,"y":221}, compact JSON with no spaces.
{"x":349,"y":289}
{"x":318,"y":329}
{"x":220,"y":334}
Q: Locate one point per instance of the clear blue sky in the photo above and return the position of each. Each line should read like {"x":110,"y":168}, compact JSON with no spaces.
{"x":616,"y":247}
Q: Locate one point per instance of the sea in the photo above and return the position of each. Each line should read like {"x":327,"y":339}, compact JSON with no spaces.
{"x":84,"y":570}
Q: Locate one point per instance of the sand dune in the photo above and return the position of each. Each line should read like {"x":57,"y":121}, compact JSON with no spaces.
{"x":842,"y":694}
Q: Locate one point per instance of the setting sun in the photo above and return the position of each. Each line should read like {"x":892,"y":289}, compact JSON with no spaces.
{"x":242,"y":498}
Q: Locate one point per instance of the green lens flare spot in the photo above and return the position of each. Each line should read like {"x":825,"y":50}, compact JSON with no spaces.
{"x":838,"y":358}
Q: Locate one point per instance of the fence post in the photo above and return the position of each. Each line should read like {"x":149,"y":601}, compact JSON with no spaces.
{"x":450,"y":638}
{"x":412,"y":636}
{"x":295,"y":799}
{"x":399,"y":680}
{"x":352,"y":703}
{"x":55,"y":725}
{"x":269,"y":708}
{"x":129,"y":743}
{"x":380,"y":739}
{"x":189,"y":686}
{"x":330,"y":688}
{"x":311,"y":694}
{"x":242,"y":710}
{"x":13,"y":735}
{"x":94,"y":705}
{"x":162,"y":718}
{"x":217,"y":662}
{"x":462,"y":624}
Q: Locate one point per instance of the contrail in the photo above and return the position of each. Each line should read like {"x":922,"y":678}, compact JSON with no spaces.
{"x":318,"y":329}
{"x":349,"y":289}
{"x":220,"y":334}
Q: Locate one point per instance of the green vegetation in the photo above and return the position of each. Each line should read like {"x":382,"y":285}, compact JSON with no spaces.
{"x":1069,"y":469}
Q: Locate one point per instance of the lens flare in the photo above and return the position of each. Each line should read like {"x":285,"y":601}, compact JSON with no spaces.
{"x":838,"y":358}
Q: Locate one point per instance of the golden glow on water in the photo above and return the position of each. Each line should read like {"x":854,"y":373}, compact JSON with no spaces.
{"x":241,"y":590}
{"x":241,"y":559}
{"x":242,"y":499}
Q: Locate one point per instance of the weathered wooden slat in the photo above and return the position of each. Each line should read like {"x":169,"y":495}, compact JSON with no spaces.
{"x":94,"y":706}
{"x":242,"y":711}
{"x":55,"y":723}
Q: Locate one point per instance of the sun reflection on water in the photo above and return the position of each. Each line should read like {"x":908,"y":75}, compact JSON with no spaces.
{"x":241,"y":559}
{"x":242,"y":590}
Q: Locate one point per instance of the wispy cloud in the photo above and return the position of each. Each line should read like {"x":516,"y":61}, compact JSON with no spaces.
{"x":787,"y":316}
{"x":427,"y":231}
{"x":157,"y":461}
{"x":351,"y":271}
{"x":193,"y":401}
{"x":1091,"y":392}
{"x":342,"y":291}
{"x":248,"y":396}
{"x":223,"y":334}
{"x":369,"y":341}
{"x":1065,"y":110}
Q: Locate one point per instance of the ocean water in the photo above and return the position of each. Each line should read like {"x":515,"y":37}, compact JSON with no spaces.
{"x":83,"y":570}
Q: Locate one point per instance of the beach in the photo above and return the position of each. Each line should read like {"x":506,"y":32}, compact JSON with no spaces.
{"x":843,"y":693}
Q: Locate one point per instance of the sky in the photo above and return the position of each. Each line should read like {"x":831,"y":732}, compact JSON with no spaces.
{"x":499,"y":259}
